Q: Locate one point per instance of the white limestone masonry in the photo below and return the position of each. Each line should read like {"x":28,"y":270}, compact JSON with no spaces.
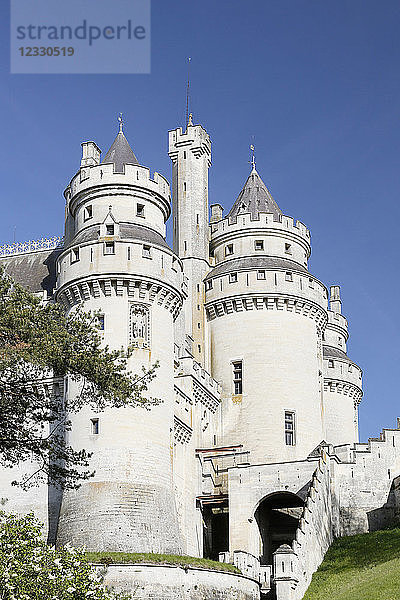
{"x":252,"y":455}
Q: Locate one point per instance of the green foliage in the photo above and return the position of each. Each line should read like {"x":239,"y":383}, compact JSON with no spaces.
{"x":108,"y":558}
{"x":40,"y":346}
{"x":360,"y":567}
{"x":32,"y":570}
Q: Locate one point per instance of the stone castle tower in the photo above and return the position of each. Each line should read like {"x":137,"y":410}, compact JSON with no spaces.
{"x":254,"y":446}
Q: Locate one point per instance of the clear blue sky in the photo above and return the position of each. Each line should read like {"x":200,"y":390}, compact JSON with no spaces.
{"x":316,"y":83}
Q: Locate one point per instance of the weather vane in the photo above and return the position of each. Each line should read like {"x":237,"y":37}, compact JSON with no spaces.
{"x":121,"y":122}
{"x":253,"y":157}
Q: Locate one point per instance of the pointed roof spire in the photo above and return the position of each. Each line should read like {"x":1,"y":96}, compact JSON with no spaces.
{"x":255,"y":198}
{"x":120,"y":153}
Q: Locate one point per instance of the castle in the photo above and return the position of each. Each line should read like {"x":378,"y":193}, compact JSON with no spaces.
{"x":252,"y":456}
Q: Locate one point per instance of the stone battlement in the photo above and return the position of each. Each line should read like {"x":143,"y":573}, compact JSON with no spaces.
{"x":265,"y":221}
{"x":103,"y":175}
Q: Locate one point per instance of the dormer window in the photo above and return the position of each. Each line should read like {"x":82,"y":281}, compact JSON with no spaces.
{"x":288,"y":248}
{"x":140,"y":210}
{"x":259,"y":245}
{"x":109,"y":248}
{"x":228,"y":249}
{"x":74,"y":255}
{"x":110,"y":229}
{"x":87,"y":213}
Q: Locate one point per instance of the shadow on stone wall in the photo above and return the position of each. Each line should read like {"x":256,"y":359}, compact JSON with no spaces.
{"x":387,"y":515}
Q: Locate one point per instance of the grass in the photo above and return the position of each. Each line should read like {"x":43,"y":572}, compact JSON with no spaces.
{"x":158,"y":559}
{"x":360,"y":567}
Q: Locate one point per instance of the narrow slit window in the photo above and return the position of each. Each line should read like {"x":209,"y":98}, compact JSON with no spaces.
{"x":74,"y":255}
{"x":109,"y":248}
{"x":94,"y":426}
{"x":129,"y":253}
{"x":259,"y":245}
{"x":237,"y":366}
{"x":289,"y":428}
{"x":228,"y":249}
{"x":140,"y":210}
{"x":88,"y":213}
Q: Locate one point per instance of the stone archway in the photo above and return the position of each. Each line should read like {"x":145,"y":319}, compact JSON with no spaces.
{"x":277,"y":517}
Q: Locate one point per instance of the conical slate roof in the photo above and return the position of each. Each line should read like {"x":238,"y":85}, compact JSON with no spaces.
{"x":254,"y":199}
{"x":120,"y":154}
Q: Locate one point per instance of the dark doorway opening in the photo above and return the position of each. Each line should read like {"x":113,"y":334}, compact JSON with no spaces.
{"x":215,"y":514}
{"x":277,"y":517}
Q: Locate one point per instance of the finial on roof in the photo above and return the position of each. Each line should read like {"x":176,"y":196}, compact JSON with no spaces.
{"x":121,"y":123}
{"x":253,"y":157}
{"x":190,"y":120}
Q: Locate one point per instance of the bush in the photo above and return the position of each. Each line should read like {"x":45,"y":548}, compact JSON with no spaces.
{"x":32,"y":570}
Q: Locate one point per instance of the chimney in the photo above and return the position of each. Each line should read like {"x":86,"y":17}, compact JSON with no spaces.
{"x":90,"y":154}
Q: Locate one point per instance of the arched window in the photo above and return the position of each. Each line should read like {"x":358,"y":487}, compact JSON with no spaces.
{"x":139,"y":326}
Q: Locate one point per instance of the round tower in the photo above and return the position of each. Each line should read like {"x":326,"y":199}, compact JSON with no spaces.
{"x":116,"y":261}
{"x":342,"y":378}
{"x":266,"y":316}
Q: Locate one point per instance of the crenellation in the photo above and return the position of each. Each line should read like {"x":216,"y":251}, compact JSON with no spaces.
{"x":257,"y":424}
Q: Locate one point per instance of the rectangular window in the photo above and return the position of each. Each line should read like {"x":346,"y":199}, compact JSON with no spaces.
{"x":330,"y":364}
{"x":209,"y":285}
{"x":109,"y":229}
{"x":100,"y":322}
{"x":94,"y":426}
{"x":232,"y":277}
{"x":311,"y":283}
{"x":289,"y":428}
{"x":259,"y":245}
{"x":289,"y":276}
{"x":74,"y":255}
{"x":146,"y":252}
{"x":140,"y":210}
{"x":260,"y":274}
{"x":288,"y":248}
{"x":237,"y":367}
{"x":109,"y":248}
{"x":228,"y":249}
{"x":87,"y":213}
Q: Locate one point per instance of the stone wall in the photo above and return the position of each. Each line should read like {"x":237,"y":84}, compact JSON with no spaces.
{"x":315,"y":532}
{"x":168,"y":582}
